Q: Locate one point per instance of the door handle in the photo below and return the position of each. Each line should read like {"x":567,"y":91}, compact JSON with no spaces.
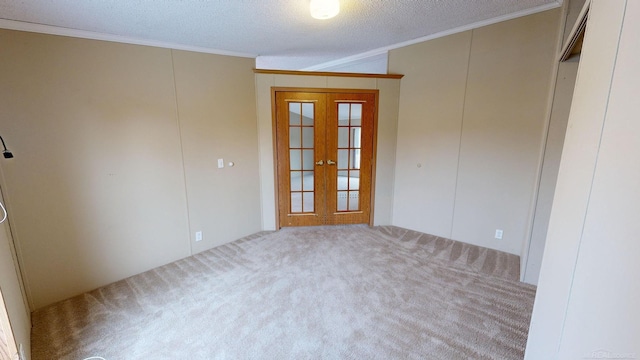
{"x":331,"y":162}
{"x":320,"y":163}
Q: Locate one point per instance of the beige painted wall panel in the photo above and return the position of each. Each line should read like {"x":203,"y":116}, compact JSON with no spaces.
{"x":300,"y":81}
{"x":14,"y":301}
{"x":603,"y":308}
{"x":388,"y":104}
{"x":567,"y":72}
{"x":386,"y":140}
{"x":217,"y":107}
{"x":339,"y":82}
{"x":509,"y":80}
{"x":266,"y":144}
{"x":573,"y":188}
{"x":430,"y":118}
{"x":96,"y":186}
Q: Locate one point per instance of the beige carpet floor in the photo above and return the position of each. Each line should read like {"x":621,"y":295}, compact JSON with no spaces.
{"x":346,"y":292}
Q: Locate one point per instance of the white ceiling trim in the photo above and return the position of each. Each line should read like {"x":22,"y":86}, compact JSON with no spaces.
{"x":56,"y":30}
{"x":479,"y":24}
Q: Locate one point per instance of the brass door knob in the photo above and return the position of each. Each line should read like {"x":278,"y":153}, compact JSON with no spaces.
{"x":320,"y":163}
{"x":331,"y":162}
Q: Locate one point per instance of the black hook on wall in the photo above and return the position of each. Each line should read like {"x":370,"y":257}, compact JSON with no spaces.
{"x":6,"y":153}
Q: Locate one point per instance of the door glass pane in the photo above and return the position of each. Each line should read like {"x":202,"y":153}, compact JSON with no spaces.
{"x":342,"y":200}
{"x":307,"y":137}
{"x":294,"y":137}
{"x":343,"y":114}
{"x":307,"y":181}
{"x":307,"y":114}
{"x":307,"y":160}
{"x":294,"y":113}
{"x":354,"y":156}
{"x":343,"y":137}
{"x":301,"y":156}
{"x":354,"y":180}
{"x":343,"y":179}
{"x":296,"y":181}
{"x":343,"y":159}
{"x":296,"y":202}
{"x":355,"y":137}
{"x":354,"y":200}
{"x":307,"y":202}
{"x":295,"y":162}
{"x":356,"y":115}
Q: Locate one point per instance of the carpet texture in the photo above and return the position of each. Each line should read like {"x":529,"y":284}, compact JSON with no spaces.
{"x":346,"y":292}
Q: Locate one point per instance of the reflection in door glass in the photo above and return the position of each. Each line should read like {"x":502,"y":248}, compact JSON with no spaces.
{"x":349,"y":145}
{"x":301,"y":157}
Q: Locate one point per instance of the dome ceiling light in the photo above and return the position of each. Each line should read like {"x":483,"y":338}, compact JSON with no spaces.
{"x":324,"y":9}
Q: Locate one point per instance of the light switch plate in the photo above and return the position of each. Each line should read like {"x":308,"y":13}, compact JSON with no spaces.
{"x":220,"y":163}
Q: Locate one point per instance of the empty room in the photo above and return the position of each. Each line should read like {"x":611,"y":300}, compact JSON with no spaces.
{"x":319,"y":179}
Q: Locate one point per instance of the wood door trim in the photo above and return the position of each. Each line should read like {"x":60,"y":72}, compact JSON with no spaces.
{"x":374,"y":159}
{"x":323,"y":90}
{"x":274,"y":138}
{"x":325,"y":73}
{"x":376,"y":94}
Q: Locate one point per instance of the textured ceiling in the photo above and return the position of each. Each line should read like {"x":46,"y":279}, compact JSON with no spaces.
{"x":280,"y":32}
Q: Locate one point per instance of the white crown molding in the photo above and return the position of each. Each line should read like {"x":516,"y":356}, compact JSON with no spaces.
{"x":479,"y":24}
{"x":55,"y":30}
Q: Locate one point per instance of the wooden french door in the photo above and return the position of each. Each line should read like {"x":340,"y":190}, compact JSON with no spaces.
{"x":324,"y":156}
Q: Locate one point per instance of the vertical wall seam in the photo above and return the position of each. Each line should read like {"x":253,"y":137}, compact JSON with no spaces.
{"x":184,"y":168}
{"x":464,"y":105}
{"x":593,"y":175}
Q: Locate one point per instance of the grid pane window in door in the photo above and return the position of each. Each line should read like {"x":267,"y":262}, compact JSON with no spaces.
{"x":349,"y":148}
{"x":301,"y":157}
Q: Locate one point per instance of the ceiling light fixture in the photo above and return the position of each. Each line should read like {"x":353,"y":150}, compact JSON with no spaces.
{"x":324,"y":9}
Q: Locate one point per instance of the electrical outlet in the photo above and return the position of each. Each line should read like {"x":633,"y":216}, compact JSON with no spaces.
{"x":499,"y":233}
{"x":198,"y":235}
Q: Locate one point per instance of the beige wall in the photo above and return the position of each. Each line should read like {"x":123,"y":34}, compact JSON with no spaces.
{"x":14,"y":300}
{"x":473,"y":109}
{"x":113,"y":171}
{"x":565,"y":82}
{"x":386,"y":140}
{"x":587,"y":298}
{"x":430,"y":124}
{"x":217,"y":110}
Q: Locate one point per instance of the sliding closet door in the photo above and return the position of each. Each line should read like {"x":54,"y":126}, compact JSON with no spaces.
{"x":324,"y":157}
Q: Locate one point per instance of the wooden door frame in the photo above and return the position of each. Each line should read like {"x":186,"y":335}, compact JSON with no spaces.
{"x":274,"y":126}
